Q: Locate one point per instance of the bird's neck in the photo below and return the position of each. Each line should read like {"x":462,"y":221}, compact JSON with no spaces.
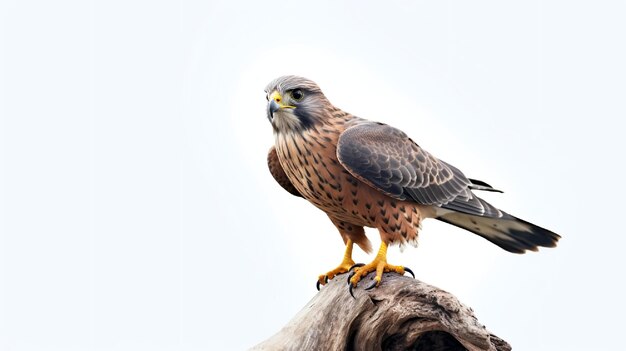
{"x":324,"y":133}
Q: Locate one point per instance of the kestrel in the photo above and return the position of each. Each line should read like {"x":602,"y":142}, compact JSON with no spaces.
{"x":368,"y":174}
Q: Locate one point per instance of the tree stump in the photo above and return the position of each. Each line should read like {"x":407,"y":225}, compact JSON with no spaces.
{"x":401,"y":314}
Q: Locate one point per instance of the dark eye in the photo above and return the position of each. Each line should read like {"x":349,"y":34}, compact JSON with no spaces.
{"x":297,"y":94}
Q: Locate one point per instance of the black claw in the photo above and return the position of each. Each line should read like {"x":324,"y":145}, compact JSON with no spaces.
{"x":350,"y":276}
{"x":372,"y":285}
{"x":356,"y":265}
{"x":410,"y":271}
{"x":351,"y":292}
{"x":325,"y":279}
{"x":318,"y":285}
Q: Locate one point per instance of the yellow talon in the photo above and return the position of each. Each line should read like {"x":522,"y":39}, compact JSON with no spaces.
{"x":343,"y":267}
{"x":379,"y":264}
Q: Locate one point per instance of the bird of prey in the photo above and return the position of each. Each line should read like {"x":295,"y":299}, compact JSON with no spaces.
{"x":369,"y":174}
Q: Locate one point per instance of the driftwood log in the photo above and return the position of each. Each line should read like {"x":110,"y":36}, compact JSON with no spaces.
{"x":401,"y":314}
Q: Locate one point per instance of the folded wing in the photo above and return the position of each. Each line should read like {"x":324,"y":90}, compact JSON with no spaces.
{"x":388,"y":160}
{"x":279,"y":173}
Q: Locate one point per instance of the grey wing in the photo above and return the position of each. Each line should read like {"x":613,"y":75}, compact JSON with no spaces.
{"x":388,"y":160}
{"x":279,"y":173}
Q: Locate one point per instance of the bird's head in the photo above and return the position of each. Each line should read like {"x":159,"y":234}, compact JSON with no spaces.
{"x":295,"y":104}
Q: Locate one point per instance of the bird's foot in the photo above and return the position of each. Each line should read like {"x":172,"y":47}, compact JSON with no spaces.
{"x":343,"y":267}
{"x":380,"y":266}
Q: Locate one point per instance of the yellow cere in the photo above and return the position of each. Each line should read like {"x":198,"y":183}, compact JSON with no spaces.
{"x":279,"y":100}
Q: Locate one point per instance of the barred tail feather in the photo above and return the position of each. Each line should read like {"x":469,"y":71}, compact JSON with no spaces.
{"x":510,"y":233}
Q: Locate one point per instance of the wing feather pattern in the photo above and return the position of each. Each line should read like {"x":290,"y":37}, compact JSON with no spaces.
{"x":388,"y":160}
{"x":279,"y":173}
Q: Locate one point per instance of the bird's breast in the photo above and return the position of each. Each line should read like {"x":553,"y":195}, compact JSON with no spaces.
{"x":311,"y":164}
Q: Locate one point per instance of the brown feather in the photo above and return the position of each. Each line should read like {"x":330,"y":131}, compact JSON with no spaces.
{"x":310,"y":162}
{"x":278,"y":173}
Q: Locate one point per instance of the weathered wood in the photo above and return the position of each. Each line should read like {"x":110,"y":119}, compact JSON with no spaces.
{"x":401,"y":314}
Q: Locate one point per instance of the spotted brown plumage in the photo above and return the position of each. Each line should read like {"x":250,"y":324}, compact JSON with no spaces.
{"x":368,"y":174}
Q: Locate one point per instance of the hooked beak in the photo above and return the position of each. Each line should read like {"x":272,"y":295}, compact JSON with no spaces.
{"x":276,"y":104}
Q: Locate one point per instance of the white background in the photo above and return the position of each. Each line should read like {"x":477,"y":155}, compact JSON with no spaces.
{"x":137,"y":212}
